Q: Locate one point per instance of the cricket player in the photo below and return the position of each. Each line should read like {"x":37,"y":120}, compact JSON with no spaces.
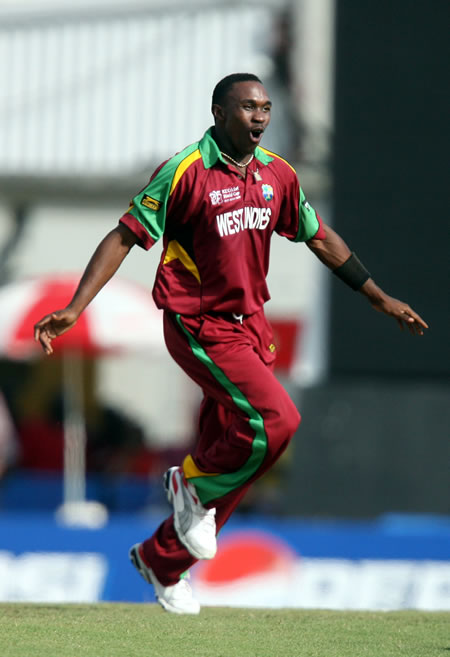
{"x":216,"y":205}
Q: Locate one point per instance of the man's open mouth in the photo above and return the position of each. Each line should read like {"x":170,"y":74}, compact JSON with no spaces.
{"x":256,"y":134}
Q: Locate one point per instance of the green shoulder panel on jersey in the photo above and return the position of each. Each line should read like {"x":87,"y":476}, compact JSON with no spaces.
{"x":308,"y":224}
{"x":272,"y":156}
{"x":150,"y":205}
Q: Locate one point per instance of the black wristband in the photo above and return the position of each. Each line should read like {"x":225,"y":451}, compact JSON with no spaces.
{"x":352,"y":272}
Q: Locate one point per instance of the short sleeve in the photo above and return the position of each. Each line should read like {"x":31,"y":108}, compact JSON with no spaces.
{"x":298,"y":220}
{"x":309,"y":222}
{"x":146,"y":216}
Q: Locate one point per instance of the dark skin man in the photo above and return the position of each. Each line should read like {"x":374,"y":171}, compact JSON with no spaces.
{"x":239,"y":125}
{"x":216,"y":205}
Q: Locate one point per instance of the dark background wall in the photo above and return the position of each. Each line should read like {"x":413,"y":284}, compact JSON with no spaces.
{"x":391,"y":173}
{"x":375,"y":437}
{"x":368,"y":447}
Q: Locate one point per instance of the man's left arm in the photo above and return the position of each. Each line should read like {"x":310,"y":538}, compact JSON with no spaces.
{"x":335,"y":254}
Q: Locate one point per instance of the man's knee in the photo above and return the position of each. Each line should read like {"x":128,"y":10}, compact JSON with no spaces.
{"x":289,"y":417}
{"x":282,"y":426}
{"x":295,"y":420}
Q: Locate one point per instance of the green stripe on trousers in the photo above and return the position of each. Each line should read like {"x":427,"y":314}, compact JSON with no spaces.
{"x":213,"y":487}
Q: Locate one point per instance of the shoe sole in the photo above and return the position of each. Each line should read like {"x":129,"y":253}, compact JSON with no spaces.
{"x":145,"y":572}
{"x":137,"y":563}
{"x":192,"y":551}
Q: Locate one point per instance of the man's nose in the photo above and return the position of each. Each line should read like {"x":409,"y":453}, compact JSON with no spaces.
{"x":259,"y":116}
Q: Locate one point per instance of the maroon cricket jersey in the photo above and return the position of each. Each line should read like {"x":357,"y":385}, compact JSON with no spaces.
{"x":217,"y":227}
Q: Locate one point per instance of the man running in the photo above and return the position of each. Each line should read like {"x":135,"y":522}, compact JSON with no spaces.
{"x":216,"y":204}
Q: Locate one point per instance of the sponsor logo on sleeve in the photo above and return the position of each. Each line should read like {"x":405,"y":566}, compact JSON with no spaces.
{"x":151,"y":203}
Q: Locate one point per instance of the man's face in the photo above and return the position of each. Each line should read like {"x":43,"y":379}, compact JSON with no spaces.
{"x":243,"y":116}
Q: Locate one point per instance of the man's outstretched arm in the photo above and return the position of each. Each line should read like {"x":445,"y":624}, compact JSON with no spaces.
{"x":105,"y":261}
{"x":336,"y":255}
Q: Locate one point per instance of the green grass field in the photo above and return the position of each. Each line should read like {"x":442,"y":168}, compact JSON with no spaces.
{"x":138,"y":630}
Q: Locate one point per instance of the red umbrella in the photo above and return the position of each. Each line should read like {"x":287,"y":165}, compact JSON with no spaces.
{"x":121,"y":318}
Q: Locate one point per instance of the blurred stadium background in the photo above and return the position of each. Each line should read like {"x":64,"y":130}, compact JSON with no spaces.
{"x":93,"y":96}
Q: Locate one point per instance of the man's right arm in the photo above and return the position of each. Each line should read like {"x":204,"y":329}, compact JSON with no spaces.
{"x":105,"y":261}
{"x":334,"y":253}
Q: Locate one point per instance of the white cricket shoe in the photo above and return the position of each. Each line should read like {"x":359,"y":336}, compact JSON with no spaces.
{"x":195,"y":526}
{"x":177,"y":598}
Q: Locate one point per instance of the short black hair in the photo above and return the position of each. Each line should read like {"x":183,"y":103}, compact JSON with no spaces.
{"x":222,"y":88}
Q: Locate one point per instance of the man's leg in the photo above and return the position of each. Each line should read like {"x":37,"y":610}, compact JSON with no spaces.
{"x":246,"y":422}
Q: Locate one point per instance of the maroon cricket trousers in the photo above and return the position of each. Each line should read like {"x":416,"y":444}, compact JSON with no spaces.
{"x":246,"y":419}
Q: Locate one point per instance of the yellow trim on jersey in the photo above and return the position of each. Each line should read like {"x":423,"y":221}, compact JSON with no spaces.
{"x":181,"y":168}
{"x":190,"y":469}
{"x":175,"y":251}
{"x":279,"y":157}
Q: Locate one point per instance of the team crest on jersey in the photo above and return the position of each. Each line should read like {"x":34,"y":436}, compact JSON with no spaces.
{"x":267,"y":192}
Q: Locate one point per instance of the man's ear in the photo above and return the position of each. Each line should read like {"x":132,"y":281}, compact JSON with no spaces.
{"x":218,"y":112}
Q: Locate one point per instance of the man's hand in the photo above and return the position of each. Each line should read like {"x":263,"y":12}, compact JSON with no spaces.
{"x":50,"y":326}
{"x":333,"y":252}
{"x":104,"y":263}
{"x":403,"y":313}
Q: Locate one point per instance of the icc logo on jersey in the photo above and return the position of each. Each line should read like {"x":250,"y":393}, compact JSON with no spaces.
{"x":216,"y":197}
{"x":267,"y":191}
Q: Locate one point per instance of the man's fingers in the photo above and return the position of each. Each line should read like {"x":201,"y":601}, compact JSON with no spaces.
{"x":421,"y":321}
{"x":44,"y":333}
{"x":39,"y":332}
{"x":412,"y":328}
{"x":402,"y":313}
{"x":413,"y":325}
{"x":411,"y":316}
{"x":46,"y":341}
{"x":47,"y":347}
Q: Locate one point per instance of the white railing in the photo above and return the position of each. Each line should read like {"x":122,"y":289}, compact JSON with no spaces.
{"x":112,"y":90}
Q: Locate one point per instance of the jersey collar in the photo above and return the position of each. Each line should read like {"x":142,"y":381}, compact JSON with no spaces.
{"x":210,"y":152}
